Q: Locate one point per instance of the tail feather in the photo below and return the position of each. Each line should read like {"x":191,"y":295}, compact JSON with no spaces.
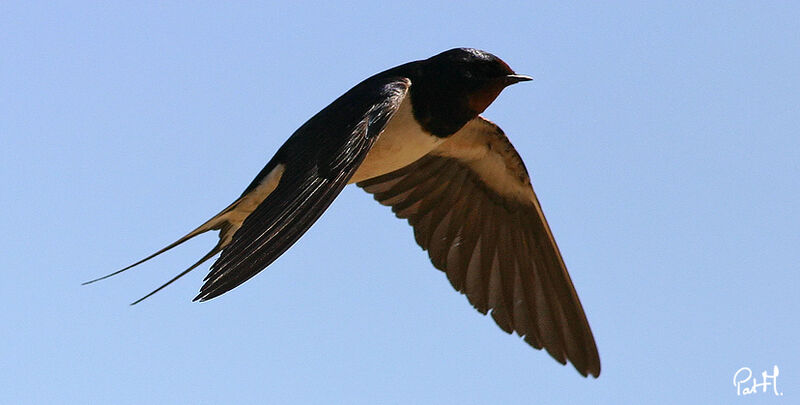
{"x":208,"y":255}
{"x":219,"y":221}
{"x":188,"y":236}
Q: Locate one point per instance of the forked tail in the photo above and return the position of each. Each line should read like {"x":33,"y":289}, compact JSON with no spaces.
{"x":218,"y":222}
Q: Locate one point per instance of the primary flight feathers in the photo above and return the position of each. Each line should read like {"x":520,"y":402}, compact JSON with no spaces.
{"x":412,"y":136}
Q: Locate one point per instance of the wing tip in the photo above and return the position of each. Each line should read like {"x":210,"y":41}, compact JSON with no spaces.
{"x":593,"y":370}
{"x":586,"y":367}
{"x":207,"y":294}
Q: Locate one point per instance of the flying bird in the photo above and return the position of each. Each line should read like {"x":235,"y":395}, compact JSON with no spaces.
{"x":412,"y":136}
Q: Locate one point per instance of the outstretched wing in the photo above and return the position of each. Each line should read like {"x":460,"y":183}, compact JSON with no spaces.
{"x":473,"y":209}
{"x":316,"y":163}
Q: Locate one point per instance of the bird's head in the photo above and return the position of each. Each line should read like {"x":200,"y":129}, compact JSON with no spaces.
{"x":455,"y":86}
{"x":481,"y":75}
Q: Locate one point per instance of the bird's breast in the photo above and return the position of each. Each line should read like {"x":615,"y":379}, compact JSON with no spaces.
{"x":401,"y":143}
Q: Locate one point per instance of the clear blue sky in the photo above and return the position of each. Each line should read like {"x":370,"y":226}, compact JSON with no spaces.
{"x":663,"y":141}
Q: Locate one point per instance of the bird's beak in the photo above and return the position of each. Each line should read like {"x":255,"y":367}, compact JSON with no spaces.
{"x":511,"y":79}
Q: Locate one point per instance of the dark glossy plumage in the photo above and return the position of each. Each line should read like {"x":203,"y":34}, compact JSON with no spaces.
{"x":343,"y":134}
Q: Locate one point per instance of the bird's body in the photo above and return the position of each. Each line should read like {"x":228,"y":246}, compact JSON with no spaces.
{"x":402,"y":142}
{"x":413,"y":137}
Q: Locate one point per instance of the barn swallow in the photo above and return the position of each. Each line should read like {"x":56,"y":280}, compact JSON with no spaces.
{"x":412,"y":136}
